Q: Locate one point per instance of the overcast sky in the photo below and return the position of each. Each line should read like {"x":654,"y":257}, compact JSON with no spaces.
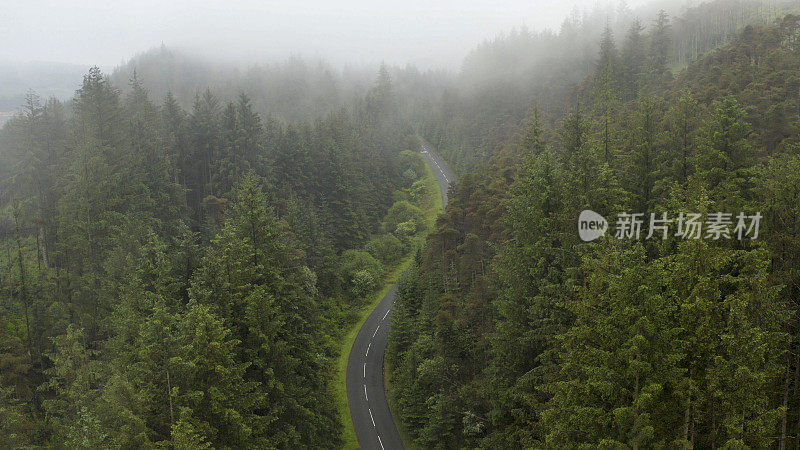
{"x":428,"y":33}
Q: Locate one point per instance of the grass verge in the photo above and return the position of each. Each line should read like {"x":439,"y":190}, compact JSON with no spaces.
{"x":432,"y":206}
{"x":435,"y":202}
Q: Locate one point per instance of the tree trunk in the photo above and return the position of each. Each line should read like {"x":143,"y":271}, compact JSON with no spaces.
{"x":169,"y":396}
{"x":713,"y":430}
{"x":43,"y":240}
{"x":687,"y":418}
{"x":796,"y":380}
{"x":782,"y":442}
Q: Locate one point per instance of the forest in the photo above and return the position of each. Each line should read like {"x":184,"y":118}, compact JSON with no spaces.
{"x":184,"y":245}
{"x":179,"y":278}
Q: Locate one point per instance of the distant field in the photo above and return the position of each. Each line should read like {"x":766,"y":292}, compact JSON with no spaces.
{"x":5,"y":115}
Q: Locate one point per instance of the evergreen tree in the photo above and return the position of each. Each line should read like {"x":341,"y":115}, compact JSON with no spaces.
{"x":659,"y":52}
{"x":252,"y":279}
{"x":633,"y":60}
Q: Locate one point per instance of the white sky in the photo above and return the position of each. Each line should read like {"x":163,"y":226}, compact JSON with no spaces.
{"x":427,"y":33}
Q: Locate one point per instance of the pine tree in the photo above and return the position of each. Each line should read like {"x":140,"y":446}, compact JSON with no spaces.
{"x":606,"y":91}
{"x":204,"y":136}
{"x":725,"y":157}
{"x":643,"y":163}
{"x":95,"y":197}
{"x":682,"y":135}
{"x":633,"y":61}
{"x":74,"y":379}
{"x":253,"y":280}
{"x":210,"y":389}
{"x":659,"y":52}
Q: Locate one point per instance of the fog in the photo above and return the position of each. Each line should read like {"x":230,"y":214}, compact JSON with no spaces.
{"x":421,"y":32}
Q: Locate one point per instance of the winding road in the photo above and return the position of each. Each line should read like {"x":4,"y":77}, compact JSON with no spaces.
{"x":366,"y":394}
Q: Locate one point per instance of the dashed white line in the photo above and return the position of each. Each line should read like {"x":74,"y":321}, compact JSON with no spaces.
{"x":380,"y":441}
{"x":365,"y":370}
{"x":371,"y":418}
{"x":368,"y":346}
{"x":376,"y":331}
{"x":387,"y":313}
{"x":365,"y":393}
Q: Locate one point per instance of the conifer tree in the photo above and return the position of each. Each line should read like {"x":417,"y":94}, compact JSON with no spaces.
{"x":633,"y":60}
{"x":252,"y":278}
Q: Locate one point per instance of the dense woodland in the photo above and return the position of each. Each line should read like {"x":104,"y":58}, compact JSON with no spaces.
{"x":183,"y":245}
{"x":179,"y":278}
{"x":514,"y":333}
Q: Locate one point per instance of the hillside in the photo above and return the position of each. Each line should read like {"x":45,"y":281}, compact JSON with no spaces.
{"x":512,"y":332}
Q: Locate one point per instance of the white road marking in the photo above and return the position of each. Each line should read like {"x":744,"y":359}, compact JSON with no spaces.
{"x":371,"y":418}
{"x":380,"y":441}
{"x":376,"y":331}
{"x":368,"y":346}
{"x":365,"y":370}
{"x":387,"y":313}
{"x":365,"y":393}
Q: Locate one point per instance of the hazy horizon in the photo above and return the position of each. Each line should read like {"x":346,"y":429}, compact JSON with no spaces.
{"x":426,"y":34}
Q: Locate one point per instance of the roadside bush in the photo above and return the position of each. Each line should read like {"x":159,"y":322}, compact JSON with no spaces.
{"x":418,"y":191}
{"x":386,"y":248}
{"x":406,"y":231}
{"x":403,"y":211}
{"x":411,"y":165}
{"x":360,"y":271}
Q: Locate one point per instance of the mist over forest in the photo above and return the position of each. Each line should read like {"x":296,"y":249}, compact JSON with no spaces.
{"x":205,"y":212}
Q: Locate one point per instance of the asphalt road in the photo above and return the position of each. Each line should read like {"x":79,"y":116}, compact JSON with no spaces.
{"x":440,"y":169}
{"x":366,"y":393}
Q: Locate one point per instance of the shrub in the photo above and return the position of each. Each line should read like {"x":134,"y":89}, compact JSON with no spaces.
{"x":402,"y":211}
{"x":386,"y":248}
{"x":359,"y":270}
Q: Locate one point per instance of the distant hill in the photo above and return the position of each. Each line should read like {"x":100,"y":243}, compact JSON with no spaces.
{"x":289,"y":91}
{"x":295,"y":89}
